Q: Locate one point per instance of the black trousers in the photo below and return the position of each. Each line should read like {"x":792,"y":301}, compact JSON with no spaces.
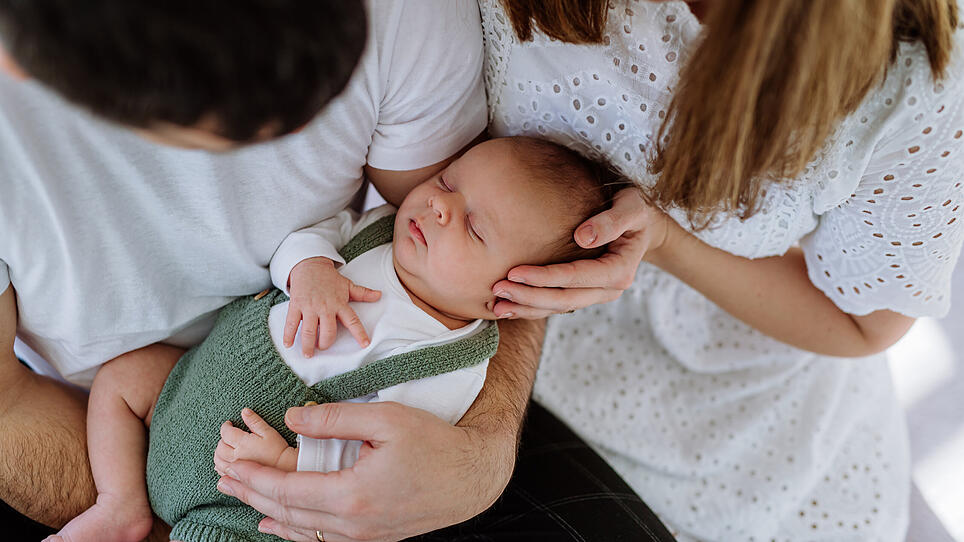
{"x":561,"y":491}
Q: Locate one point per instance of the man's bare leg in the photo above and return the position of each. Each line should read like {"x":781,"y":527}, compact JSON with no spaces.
{"x":121,"y":404}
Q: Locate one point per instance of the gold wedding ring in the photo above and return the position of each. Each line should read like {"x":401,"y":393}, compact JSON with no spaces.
{"x":319,"y":536}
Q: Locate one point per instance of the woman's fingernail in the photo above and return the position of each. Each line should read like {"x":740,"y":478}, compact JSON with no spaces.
{"x":503,"y":294}
{"x":508,"y":315}
{"x":588,"y":235}
{"x":223,"y":488}
{"x":518,"y":279}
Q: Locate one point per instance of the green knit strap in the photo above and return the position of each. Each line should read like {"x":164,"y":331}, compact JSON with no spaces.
{"x":375,"y":234}
{"x":408,"y":366}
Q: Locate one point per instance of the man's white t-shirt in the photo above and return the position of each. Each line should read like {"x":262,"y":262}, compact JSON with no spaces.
{"x":113,"y":243}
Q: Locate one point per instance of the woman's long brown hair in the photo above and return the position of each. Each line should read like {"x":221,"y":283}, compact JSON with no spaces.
{"x":767,"y":85}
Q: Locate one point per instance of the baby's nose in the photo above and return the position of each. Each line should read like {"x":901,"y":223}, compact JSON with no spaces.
{"x":442,"y":209}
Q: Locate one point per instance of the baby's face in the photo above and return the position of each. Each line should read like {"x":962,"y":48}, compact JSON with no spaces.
{"x":460,"y":232}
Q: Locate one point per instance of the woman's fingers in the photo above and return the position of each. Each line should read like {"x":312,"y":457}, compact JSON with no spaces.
{"x":625,"y":215}
{"x":515,"y":311}
{"x":531,"y":302}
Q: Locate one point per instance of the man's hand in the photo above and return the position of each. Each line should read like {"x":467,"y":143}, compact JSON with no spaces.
{"x":415,"y":474}
{"x":320,"y":296}
{"x":632,"y":228}
{"x":262,"y":445}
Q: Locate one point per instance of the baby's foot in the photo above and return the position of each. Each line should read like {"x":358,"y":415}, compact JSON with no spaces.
{"x":111,"y":519}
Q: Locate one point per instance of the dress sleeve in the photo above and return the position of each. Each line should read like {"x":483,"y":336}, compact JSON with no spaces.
{"x":4,"y":277}
{"x":894,"y":242}
{"x":433,"y":100}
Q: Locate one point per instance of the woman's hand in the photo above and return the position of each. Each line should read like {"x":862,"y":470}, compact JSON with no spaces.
{"x":631,"y":227}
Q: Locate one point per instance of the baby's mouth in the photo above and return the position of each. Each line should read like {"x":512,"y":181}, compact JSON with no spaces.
{"x":416,"y":231}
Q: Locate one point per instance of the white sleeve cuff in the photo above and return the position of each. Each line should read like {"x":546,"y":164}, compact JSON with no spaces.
{"x":326,"y":455}
{"x":298,"y":247}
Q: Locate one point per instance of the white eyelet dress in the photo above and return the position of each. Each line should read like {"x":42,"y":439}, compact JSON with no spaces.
{"x":727,"y":434}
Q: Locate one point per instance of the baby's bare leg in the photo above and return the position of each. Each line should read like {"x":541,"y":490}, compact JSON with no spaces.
{"x":119,"y":410}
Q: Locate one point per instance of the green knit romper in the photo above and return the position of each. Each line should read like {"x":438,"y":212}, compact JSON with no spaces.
{"x":238,"y":366}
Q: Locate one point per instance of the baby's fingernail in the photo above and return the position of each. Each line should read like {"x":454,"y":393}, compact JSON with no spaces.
{"x":588,"y":235}
{"x":223,"y":488}
{"x":231,"y":473}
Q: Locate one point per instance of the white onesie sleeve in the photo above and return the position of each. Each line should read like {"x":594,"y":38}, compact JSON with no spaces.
{"x":894,"y":242}
{"x":432,"y":100}
{"x":447,"y":395}
{"x":324,"y":239}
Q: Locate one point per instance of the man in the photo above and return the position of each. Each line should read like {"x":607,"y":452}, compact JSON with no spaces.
{"x":110,"y":242}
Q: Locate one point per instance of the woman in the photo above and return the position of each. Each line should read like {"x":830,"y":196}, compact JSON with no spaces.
{"x":811,"y":162}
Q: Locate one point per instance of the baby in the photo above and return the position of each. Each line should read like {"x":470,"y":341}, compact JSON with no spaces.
{"x":414,"y":294}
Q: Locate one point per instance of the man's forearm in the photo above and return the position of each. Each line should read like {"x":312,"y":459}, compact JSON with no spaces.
{"x":44,"y":472}
{"x":501,"y":405}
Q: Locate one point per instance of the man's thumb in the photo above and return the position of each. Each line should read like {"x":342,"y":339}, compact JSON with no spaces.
{"x":347,"y":421}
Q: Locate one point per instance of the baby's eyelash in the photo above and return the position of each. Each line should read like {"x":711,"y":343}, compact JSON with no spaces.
{"x":443,"y":185}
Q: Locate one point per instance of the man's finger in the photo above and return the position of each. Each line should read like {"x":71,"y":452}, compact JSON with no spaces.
{"x":372,"y":422}
{"x":277,"y":494}
{"x":354,"y":325}
{"x":360,"y":293}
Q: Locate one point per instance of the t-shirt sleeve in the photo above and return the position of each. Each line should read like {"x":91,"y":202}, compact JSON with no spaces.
{"x":4,"y":277}
{"x":432,"y":101}
{"x":894,"y":242}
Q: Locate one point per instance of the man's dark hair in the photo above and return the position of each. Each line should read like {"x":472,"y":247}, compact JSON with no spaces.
{"x":245,"y":64}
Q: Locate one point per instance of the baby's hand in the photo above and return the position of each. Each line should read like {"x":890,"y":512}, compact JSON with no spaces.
{"x":319,"y":296}
{"x":263,"y":445}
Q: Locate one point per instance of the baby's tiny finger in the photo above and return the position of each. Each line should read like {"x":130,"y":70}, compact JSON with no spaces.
{"x":231,"y":434}
{"x":354,"y":324}
{"x":224,"y":452}
{"x":360,"y":293}
{"x":291,"y":326}
{"x":254,"y":422}
{"x":327,"y":330}
{"x":309,"y":331}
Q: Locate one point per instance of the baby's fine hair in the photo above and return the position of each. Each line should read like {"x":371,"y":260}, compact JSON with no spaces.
{"x":584,"y":188}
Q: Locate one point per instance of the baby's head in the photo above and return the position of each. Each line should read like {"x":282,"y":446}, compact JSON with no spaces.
{"x":505,"y":202}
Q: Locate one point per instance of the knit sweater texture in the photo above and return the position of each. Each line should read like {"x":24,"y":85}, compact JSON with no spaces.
{"x":238,"y":366}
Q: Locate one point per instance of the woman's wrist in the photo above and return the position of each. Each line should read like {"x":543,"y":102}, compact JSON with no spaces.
{"x":664,"y":252}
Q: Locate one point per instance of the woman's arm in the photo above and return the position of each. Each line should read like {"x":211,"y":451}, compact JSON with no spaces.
{"x":773,"y":295}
